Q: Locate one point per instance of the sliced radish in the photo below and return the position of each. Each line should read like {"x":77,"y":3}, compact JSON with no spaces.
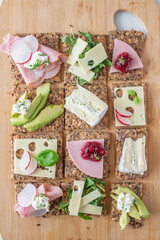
{"x":31,"y":167}
{"x":31,"y":212}
{"x":25,"y":197}
{"x":25,"y":161}
{"x":20,"y":52}
{"x":123,"y":120}
{"x":123,"y":112}
{"x":31,"y":42}
{"x":20,"y":210}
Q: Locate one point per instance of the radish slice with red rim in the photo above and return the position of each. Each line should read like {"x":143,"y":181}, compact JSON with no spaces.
{"x":31,"y":42}
{"x":123,"y":113}
{"x":25,"y":161}
{"x":20,"y":52}
{"x":32,"y":166}
{"x":123,"y":120}
{"x":25,"y":197}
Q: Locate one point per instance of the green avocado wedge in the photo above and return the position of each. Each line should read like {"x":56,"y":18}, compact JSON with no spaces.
{"x":134,"y":213}
{"x":124,"y":220}
{"x":36,"y":101}
{"x":143,"y":212}
{"x":20,"y":120}
{"x":47,"y":115}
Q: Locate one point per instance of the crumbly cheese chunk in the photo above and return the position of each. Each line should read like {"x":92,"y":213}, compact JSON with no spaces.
{"x":20,"y":143}
{"x":133,"y":156}
{"x":79,"y":72}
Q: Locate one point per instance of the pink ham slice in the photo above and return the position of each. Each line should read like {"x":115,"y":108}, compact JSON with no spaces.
{"x":50,"y":191}
{"x":120,"y":47}
{"x":34,"y":78}
{"x":20,"y":210}
{"x":31,"y":212}
{"x":91,"y":168}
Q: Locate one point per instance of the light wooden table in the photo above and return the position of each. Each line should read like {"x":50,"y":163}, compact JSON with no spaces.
{"x":95,"y":16}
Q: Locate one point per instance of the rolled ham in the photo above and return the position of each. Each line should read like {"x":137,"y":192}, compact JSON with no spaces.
{"x":34,"y":78}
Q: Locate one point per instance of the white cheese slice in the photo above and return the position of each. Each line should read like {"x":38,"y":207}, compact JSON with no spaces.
{"x":91,"y":209}
{"x":86,"y":106}
{"x":96,"y":54}
{"x":79,"y":72}
{"x":138,"y":117}
{"x":20,"y":143}
{"x":89,"y":197}
{"x":78,"y":48}
{"x":133,"y":156}
{"x":74,"y":203}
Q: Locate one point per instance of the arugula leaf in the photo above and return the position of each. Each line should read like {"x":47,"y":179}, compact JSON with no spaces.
{"x":88,"y":182}
{"x":85,"y":217}
{"x":70,"y":191}
{"x":66,"y":210}
{"x":81,"y":81}
{"x":90,"y":42}
{"x":108,"y":62}
{"x":47,"y":158}
{"x":63,"y":205}
{"x":136,"y":100}
{"x":69,"y":40}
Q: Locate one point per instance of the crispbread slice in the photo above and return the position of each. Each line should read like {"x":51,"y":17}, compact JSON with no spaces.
{"x":56,"y":97}
{"x":121,"y":134}
{"x":137,"y":189}
{"x":74,"y":122}
{"x":65,"y":187}
{"x":18,"y":187}
{"x":48,"y":39}
{"x":71,"y":79}
{"x":136,"y":41}
{"x":70,"y":169}
{"x":59,"y":165}
{"x":130,"y":84}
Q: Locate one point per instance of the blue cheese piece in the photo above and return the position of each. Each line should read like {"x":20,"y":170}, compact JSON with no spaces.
{"x":75,"y":201}
{"x":20,"y":143}
{"x":86,"y":106}
{"x":133,"y":156}
{"x":91,"y":209}
{"x":138,"y":117}
{"x":89,"y":197}
{"x":78,"y":48}
{"x":96,"y":55}
{"x":79,"y":72}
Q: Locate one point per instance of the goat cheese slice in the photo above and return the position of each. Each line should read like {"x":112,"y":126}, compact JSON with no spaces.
{"x":91,"y":209}
{"x":75,"y":201}
{"x":79,"y":72}
{"x":133,"y":156}
{"x":96,"y":55}
{"x":78,"y":48}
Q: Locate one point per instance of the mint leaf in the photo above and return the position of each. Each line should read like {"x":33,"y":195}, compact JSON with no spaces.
{"x":131,"y":92}
{"x":85,"y":217}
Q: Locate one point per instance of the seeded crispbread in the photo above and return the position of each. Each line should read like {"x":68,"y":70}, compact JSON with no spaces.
{"x":74,"y":122}
{"x":121,"y":134}
{"x":70,"y":168}
{"x":137,"y":189}
{"x":56,"y":97}
{"x":53,"y":210}
{"x":59,"y":165}
{"x":136,"y":41}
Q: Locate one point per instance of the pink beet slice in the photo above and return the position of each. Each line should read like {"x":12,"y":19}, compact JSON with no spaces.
{"x":120,"y":47}
{"x":90,"y":168}
{"x":25,"y":197}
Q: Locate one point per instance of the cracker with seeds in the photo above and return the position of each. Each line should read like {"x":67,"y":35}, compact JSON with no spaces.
{"x":31,"y":148}
{"x":136,"y":41}
{"x":19,"y":186}
{"x":122,"y":100}
{"x":70,"y":169}
{"x":121,"y":134}
{"x":56,"y":97}
{"x":74,"y":122}
{"x":71,"y":79}
{"x":137,"y":189}
{"x":47,"y":39}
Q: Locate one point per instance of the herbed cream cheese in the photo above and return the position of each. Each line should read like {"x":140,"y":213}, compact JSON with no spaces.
{"x":37,"y":59}
{"x":21,"y":107}
{"x":133,"y":156}
{"x":41,"y":202}
{"x":125,"y":201}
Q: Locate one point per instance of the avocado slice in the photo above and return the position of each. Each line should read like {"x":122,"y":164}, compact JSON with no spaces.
{"x":124,"y":220}
{"x":115,"y":197}
{"x":134,"y":213}
{"x":143,"y":212}
{"x":36,"y":101}
{"x":22,"y":98}
{"x":47,"y":115}
{"x":44,"y":89}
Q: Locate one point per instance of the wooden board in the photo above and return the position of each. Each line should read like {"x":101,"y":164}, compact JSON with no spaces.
{"x":95,"y":16}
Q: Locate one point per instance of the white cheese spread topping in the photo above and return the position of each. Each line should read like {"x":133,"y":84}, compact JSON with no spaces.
{"x":37,"y":59}
{"x":21,"y":107}
{"x":125,"y":201}
{"x":41,"y":202}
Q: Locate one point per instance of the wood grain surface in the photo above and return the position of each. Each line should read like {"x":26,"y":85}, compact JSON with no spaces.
{"x":27,"y":16}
